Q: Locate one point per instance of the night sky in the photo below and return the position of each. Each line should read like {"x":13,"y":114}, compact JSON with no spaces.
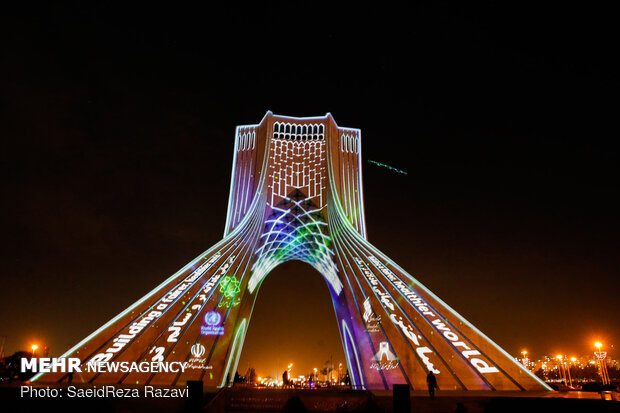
{"x":117,"y":127}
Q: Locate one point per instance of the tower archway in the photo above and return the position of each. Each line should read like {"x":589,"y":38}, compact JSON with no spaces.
{"x":293,"y":321}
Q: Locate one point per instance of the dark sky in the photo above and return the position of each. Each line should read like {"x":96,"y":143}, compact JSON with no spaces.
{"x":117,"y":134}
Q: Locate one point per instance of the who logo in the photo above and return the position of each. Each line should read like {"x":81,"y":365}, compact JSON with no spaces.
{"x":198,"y":350}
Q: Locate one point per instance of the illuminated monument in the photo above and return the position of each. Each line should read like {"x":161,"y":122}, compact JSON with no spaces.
{"x":296,"y":194}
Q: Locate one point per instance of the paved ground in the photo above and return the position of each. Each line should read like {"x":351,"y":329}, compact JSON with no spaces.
{"x":247,"y":400}
{"x":275,"y":400}
{"x":536,"y":394}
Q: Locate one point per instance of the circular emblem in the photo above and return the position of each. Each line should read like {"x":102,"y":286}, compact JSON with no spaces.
{"x":213,"y":318}
{"x":198,"y":350}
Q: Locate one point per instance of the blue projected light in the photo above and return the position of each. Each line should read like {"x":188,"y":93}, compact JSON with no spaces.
{"x":296,"y":230}
{"x":212,"y":327}
{"x":213,"y":318}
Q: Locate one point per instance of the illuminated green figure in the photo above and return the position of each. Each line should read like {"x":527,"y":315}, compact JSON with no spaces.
{"x":229,"y":287}
{"x":296,"y":194}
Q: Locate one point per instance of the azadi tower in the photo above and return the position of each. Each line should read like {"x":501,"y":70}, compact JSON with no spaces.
{"x":296,"y":194}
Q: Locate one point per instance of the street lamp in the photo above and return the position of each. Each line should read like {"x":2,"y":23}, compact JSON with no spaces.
{"x":564,"y":370}
{"x":34,"y":348}
{"x":601,"y":356}
{"x":524,"y":360}
{"x":560,"y":368}
{"x":567,"y":370}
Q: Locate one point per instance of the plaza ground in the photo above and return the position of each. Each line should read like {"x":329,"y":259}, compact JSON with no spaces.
{"x":247,"y":400}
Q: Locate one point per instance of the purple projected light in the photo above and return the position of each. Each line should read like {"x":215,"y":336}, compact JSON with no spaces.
{"x":212,"y":327}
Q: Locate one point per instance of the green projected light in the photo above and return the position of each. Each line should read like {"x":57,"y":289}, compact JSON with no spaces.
{"x":296,"y":230}
{"x":388,"y":167}
{"x":229,"y":287}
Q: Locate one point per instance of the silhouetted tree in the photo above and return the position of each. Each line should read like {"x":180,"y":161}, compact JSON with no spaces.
{"x":10,"y":367}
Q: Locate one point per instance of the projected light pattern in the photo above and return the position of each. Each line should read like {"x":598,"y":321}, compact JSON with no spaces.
{"x":229,"y":287}
{"x":295,"y":230}
{"x":296,"y":194}
{"x":387,"y":167}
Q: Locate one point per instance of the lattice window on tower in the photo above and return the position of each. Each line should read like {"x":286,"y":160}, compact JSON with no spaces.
{"x":349,"y":142}
{"x":246,"y":139}
{"x":298,"y":132}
